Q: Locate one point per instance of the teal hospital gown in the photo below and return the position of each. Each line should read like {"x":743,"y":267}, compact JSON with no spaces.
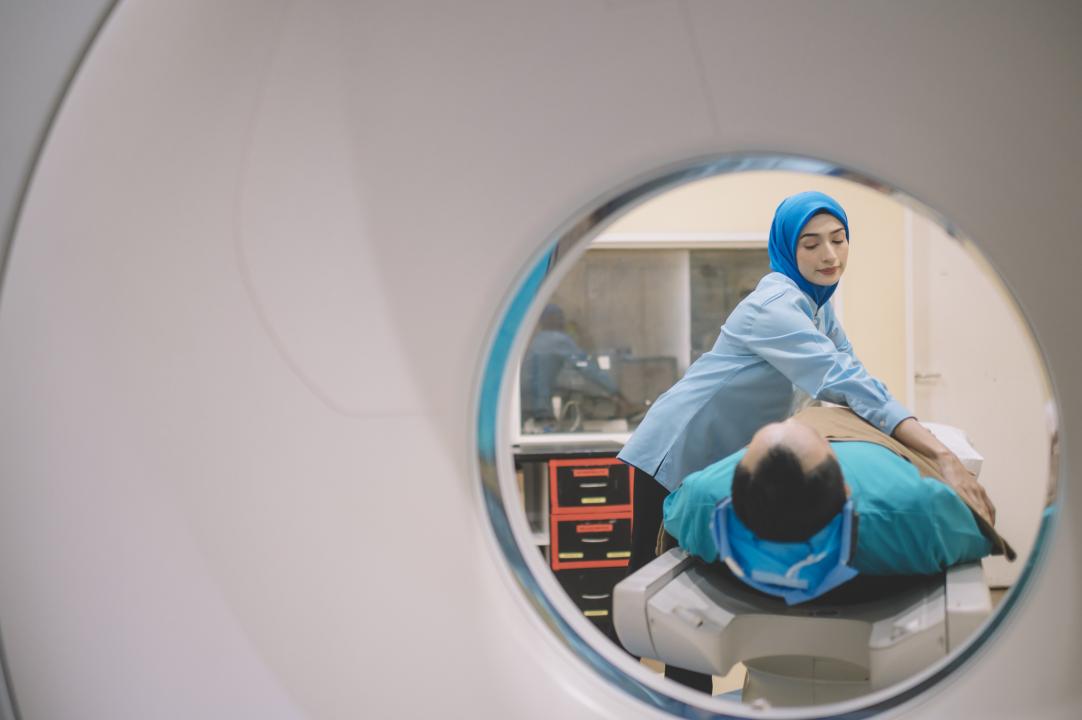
{"x":908,"y":525}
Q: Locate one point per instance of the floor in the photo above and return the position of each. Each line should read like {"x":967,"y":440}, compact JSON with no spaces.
{"x":733,"y":681}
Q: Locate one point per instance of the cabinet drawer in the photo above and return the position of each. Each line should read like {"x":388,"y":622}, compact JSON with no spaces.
{"x":591,"y":485}
{"x":590,"y":541}
{"x":591,"y":591}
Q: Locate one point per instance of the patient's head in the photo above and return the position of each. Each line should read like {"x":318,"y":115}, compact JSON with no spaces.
{"x":788,"y":485}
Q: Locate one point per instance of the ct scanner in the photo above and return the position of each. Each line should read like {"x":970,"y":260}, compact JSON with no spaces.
{"x":263,"y":267}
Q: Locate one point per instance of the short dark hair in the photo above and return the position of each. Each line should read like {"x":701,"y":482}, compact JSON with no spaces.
{"x":780,"y":502}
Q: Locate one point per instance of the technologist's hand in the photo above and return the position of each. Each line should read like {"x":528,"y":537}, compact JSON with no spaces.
{"x":966,"y":485}
{"x":916,"y":437}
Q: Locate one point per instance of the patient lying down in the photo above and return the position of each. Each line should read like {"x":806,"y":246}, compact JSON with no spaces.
{"x":796,"y":515}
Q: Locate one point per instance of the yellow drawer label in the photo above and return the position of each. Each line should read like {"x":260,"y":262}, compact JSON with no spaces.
{"x":618,"y":554}
{"x":593,"y":500}
{"x":570,"y":556}
{"x":595,"y":613}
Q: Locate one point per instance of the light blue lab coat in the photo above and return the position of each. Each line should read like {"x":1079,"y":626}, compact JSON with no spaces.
{"x":775,"y":343}
{"x":908,"y":524}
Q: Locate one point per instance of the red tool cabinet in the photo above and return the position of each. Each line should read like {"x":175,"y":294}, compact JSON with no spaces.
{"x":588,"y":500}
{"x":590,"y":503}
{"x":590,"y":513}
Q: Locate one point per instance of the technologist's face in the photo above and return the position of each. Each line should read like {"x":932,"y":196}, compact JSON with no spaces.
{"x":822,"y":250}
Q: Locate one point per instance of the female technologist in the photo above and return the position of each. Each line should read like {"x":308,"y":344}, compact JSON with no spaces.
{"x":781,"y":347}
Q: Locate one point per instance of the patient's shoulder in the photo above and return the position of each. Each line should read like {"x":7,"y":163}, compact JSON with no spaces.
{"x":878,"y":478}
{"x":882,"y":481}
{"x":714,"y":482}
{"x":908,"y":524}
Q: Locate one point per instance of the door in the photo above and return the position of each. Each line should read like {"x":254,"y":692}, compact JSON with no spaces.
{"x":974,"y":367}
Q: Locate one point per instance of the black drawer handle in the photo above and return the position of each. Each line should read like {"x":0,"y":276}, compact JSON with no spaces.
{"x":596,"y":597}
{"x":594,"y":540}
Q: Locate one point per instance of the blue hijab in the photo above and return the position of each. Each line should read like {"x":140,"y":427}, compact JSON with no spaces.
{"x":789,"y":219}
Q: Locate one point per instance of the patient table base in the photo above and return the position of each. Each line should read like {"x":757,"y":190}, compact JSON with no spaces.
{"x":696,"y":616}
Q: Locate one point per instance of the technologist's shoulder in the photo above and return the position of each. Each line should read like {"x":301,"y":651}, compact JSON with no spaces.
{"x":775,"y":294}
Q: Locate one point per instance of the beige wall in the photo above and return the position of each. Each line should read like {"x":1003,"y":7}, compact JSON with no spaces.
{"x":982,"y":373}
{"x":873,"y":289}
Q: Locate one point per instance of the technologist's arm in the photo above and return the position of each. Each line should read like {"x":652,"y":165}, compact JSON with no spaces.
{"x":824,"y":365}
{"x":821,"y":364}
{"x":916,"y":437}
